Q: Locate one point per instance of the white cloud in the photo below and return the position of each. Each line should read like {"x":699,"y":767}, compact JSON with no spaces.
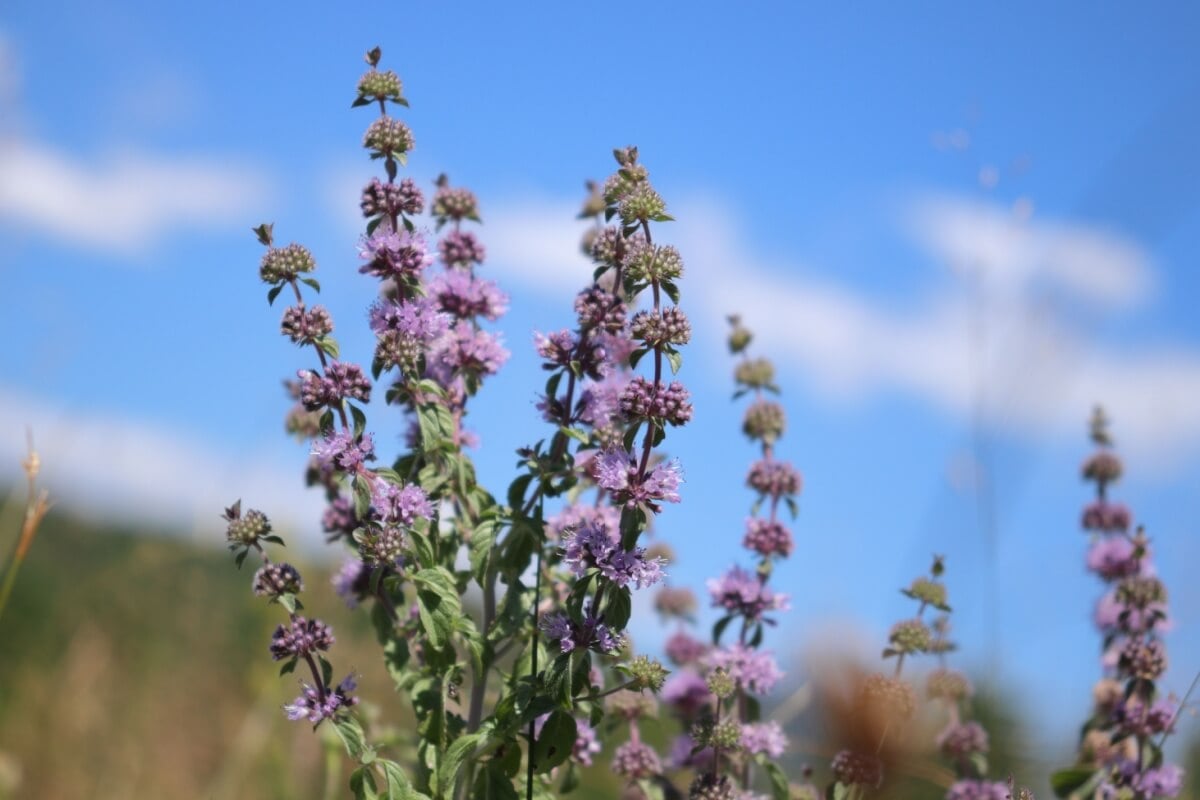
{"x":126,"y":203}
{"x":1015,"y":255}
{"x":1040,"y":376}
{"x":127,"y":470}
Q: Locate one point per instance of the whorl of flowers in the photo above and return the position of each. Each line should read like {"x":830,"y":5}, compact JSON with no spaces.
{"x":1120,"y":749}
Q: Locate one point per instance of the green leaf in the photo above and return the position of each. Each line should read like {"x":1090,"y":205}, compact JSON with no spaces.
{"x":650,"y":789}
{"x":453,"y":761}
{"x":289,"y":601}
{"x":273,"y":293}
{"x":438,"y":604}
{"x":619,"y":607}
{"x":779,"y":781}
{"x":672,"y":291}
{"x":719,"y":628}
{"x":311,"y":282}
{"x":398,"y":785}
{"x":352,"y":736}
{"x":675,"y":359}
{"x":329,"y":345}
{"x":555,"y":742}
{"x":558,"y":679}
{"x":636,"y":356}
{"x":576,"y":434}
{"x":493,"y":784}
{"x":362,"y":496}
{"x":362,"y":784}
{"x":1066,"y":781}
{"x":483,"y":539}
{"x":360,"y":419}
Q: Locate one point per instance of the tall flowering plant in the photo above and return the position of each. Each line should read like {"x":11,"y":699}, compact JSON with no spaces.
{"x":514,"y":696}
{"x":727,"y":747}
{"x":1120,"y":749}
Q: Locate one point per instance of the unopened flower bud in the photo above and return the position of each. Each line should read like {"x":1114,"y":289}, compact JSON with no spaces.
{"x":376,"y":85}
{"x":764,"y":421}
{"x":720,"y":683}
{"x":388,"y":137}
{"x":285,"y":263}
{"x":647,"y":673}
{"x":909,"y":636}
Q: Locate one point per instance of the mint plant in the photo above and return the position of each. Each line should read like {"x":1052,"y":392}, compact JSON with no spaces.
{"x":513,"y":695}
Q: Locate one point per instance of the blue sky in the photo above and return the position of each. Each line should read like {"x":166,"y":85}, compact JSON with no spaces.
{"x":832,"y":172}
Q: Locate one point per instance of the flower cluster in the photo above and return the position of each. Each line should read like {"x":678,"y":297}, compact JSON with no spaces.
{"x":301,"y":641}
{"x":1120,"y":751}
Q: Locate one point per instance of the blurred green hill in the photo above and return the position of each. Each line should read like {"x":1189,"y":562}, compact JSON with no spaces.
{"x":135,"y":665}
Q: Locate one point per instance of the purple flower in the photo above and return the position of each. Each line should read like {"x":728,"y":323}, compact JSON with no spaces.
{"x":599,"y":547}
{"x":338,"y":519}
{"x":300,"y":637}
{"x":764,"y":737}
{"x":305,"y":326}
{"x":683,"y":648}
{"x":963,"y":739}
{"x":352,"y":581}
{"x":391,"y":199}
{"x":272,"y":580}
{"x":767,"y":537}
{"x":684,"y":754}
{"x":557,"y":348}
{"x":1106,"y":517}
{"x":389,"y":254}
{"x":742,"y":592}
{"x":600,"y":400}
{"x":1114,"y":557}
{"x":1164,"y":781}
{"x":617,"y":471}
{"x":591,"y":634}
{"x":466,"y":349}
{"x":687,"y":692}
{"x":577,"y":515}
{"x":774,"y":478}
{"x":399,"y":504}
{"x":315,"y":706}
{"x":341,"y":450}
{"x":750,"y":669}
{"x":420,"y":318}
{"x":636,"y":760}
{"x":461,"y":249}
{"x":978,"y":790}
{"x":462,"y":295}
{"x":586,"y":743}
{"x":341,"y":381}
{"x":598,"y":308}
{"x":659,"y":402}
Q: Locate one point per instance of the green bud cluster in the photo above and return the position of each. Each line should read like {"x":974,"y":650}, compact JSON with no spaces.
{"x":285,"y":263}
{"x":910,"y":636}
{"x":248,"y":528}
{"x":764,"y":421}
{"x":388,"y":137}
{"x":720,"y":683}
{"x":755,"y":373}
{"x":376,"y":86}
{"x":647,"y":673}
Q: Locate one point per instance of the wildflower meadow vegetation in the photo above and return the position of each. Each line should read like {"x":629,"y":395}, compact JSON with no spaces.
{"x":501,"y":613}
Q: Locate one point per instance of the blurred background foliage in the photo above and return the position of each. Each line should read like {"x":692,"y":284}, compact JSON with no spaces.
{"x":134,"y":664}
